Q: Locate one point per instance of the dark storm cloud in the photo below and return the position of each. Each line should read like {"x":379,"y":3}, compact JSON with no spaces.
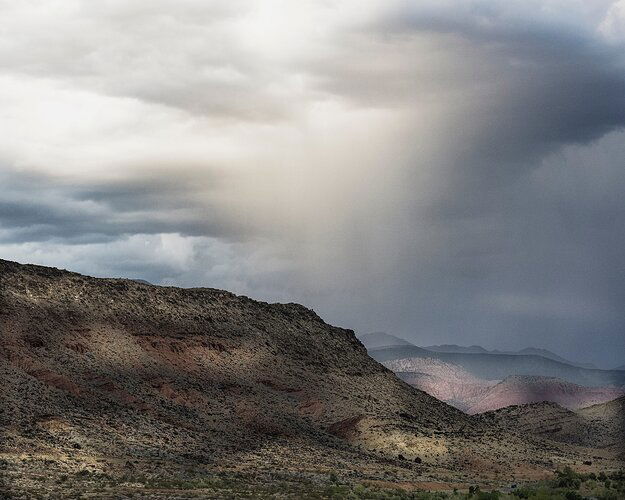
{"x":510,"y":262}
{"x":449,"y":171}
{"x":519,"y":88}
{"x":40,"y":208}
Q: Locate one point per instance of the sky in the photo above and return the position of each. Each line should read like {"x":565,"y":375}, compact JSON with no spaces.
{"x":445,"y":171}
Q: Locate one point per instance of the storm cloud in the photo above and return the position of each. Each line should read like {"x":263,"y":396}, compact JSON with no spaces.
{"x":444,"y":171}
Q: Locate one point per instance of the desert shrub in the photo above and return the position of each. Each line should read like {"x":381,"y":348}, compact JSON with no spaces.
{"x":524,"y":492}
{"x":568,"y":478}
{"x":609,"y":495}
{"x":572,"y":495}
{"x":488,"y":495}
{"x":473,"y":490}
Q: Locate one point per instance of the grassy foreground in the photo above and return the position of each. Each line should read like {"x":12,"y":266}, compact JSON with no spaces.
{"x":565,"y":485}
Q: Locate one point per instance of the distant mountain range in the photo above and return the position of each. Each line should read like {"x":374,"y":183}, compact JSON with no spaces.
{"x":476,"y":349}
{"x":499,"y":366}
{"x":472,"y":349}
{"x":620,"y":368}
{"x":382,"y":339}
{"x":475,"y":380}
{"x":460,"y":388}
{"x":445,"y":381}
{"x":519,"y":390}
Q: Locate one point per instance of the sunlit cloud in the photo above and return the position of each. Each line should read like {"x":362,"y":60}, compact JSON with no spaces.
{"x":395,"y":165}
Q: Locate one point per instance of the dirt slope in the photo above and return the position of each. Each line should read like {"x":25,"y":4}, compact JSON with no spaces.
{"x":445,"y":381}
{"x":610,"y":418}
{"x":520,"y":390}
{"x":601,"y":426}
{"x":119,"y":379}
{"x":108,"y":374}
{"x":460,"y":388}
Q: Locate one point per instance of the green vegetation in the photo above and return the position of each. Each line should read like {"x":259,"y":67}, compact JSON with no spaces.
{"x":565,"y":485}
{"x":570,"y":485}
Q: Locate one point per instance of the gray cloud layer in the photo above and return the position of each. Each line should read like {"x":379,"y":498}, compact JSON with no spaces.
{"x":447,"y":171}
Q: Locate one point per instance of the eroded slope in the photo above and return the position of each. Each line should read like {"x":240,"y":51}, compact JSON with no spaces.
{"x":121,"y":376}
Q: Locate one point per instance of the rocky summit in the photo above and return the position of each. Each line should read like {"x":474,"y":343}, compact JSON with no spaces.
{"x":120,"y":387}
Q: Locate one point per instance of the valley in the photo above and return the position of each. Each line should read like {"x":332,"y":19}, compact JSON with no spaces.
{"x":476,"y":380}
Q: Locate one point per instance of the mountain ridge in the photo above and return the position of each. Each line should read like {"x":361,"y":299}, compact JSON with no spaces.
{"x":600,"y":425}
{"x":118,"y":378}
{"x":381,"y":339}
{"x":499,"y":366}
{"x":476,"y":349}
{"x":517,"y":390}
{"x":376,"y":340}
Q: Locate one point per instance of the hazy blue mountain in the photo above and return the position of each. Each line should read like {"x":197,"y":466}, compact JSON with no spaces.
{"x":550,"y":355}
{"x":381,"y":339}
{"x":456,"y":348}
{"x":476,"y":349}
{"x":492,"y":366}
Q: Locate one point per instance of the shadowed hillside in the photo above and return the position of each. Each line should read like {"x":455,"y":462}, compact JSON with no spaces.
{"x":458,"y":387}
{"x":519,"y":390}
{"x":445,"y":381}
{"x":120,"y":378}
{"x":601,"y":425}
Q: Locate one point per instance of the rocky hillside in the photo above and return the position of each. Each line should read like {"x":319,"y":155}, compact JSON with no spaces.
{"x":119,"y":378}
{"x":610,"y":418}
{"x":236,"y":368}
{"x":460,"y":388}
{"x":520,"y":390}
{"x":445,"y":381}
{"x":601,"y":426}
